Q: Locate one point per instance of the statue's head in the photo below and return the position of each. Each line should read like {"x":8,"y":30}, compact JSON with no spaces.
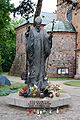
{"x":37,"y":22}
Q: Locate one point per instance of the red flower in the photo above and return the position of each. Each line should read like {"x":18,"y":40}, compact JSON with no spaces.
{"x":24,"y":89}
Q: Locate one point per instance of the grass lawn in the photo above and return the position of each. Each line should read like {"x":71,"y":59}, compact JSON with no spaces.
{"x":73,"y":83}
{"x":59,"y":79}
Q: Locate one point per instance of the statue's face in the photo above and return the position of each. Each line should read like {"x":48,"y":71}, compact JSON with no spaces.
{"x":38,"y":25}
{"x":38,"y":22}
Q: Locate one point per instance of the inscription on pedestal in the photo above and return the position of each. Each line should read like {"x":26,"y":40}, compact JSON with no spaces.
{"x":39,"y":104}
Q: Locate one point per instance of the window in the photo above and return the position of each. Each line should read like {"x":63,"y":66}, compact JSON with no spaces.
{"x":62,"y":71}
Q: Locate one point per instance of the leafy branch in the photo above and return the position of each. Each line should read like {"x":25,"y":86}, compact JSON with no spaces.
{"x":25,"y":9}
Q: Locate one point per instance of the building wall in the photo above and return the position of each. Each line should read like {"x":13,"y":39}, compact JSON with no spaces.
{"x":62,"y":54}
{"x":78,"y":62}
{"x":76,"y":23}
{"x":19,"y":64}
{"x":61,"y":10}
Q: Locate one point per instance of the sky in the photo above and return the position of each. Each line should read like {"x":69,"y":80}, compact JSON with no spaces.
{"x":48,"y":5}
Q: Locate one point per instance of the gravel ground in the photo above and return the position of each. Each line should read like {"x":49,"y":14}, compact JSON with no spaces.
{"x":71,"y":112}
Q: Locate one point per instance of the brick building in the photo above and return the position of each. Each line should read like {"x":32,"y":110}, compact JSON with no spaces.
{"x":62,"y":11}
{"x":65,"y":53}
{"x":62,"y":58}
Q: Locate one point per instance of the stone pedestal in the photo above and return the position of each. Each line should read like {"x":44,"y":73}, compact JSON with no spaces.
{"x":14,"y":99}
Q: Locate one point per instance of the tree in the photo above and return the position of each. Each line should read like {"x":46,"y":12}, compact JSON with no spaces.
{"x":26,"y":7}
{"x":5,"y":8}
{"x":1,"y":61}
{"x":38,"y":8}
{"x":8,"y":45}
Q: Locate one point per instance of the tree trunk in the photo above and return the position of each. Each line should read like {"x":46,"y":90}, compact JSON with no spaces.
{"x":38,"y":8}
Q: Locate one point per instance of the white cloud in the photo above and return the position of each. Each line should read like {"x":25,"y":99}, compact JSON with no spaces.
{"x":49,"y":5}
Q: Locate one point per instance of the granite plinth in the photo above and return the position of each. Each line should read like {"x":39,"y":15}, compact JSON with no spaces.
{"x":62,"y":100}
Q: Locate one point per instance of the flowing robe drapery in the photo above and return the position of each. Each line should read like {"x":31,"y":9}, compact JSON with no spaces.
{"x":38,"y":49}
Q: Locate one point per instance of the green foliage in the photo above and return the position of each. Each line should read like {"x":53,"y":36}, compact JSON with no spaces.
{"x":6,"y":32}
{"x":16,"y":23}
{"x":1,"y":61}
{"x":5,"y":8}
{"x":7,"y":35}
{"x":7,"y":46}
